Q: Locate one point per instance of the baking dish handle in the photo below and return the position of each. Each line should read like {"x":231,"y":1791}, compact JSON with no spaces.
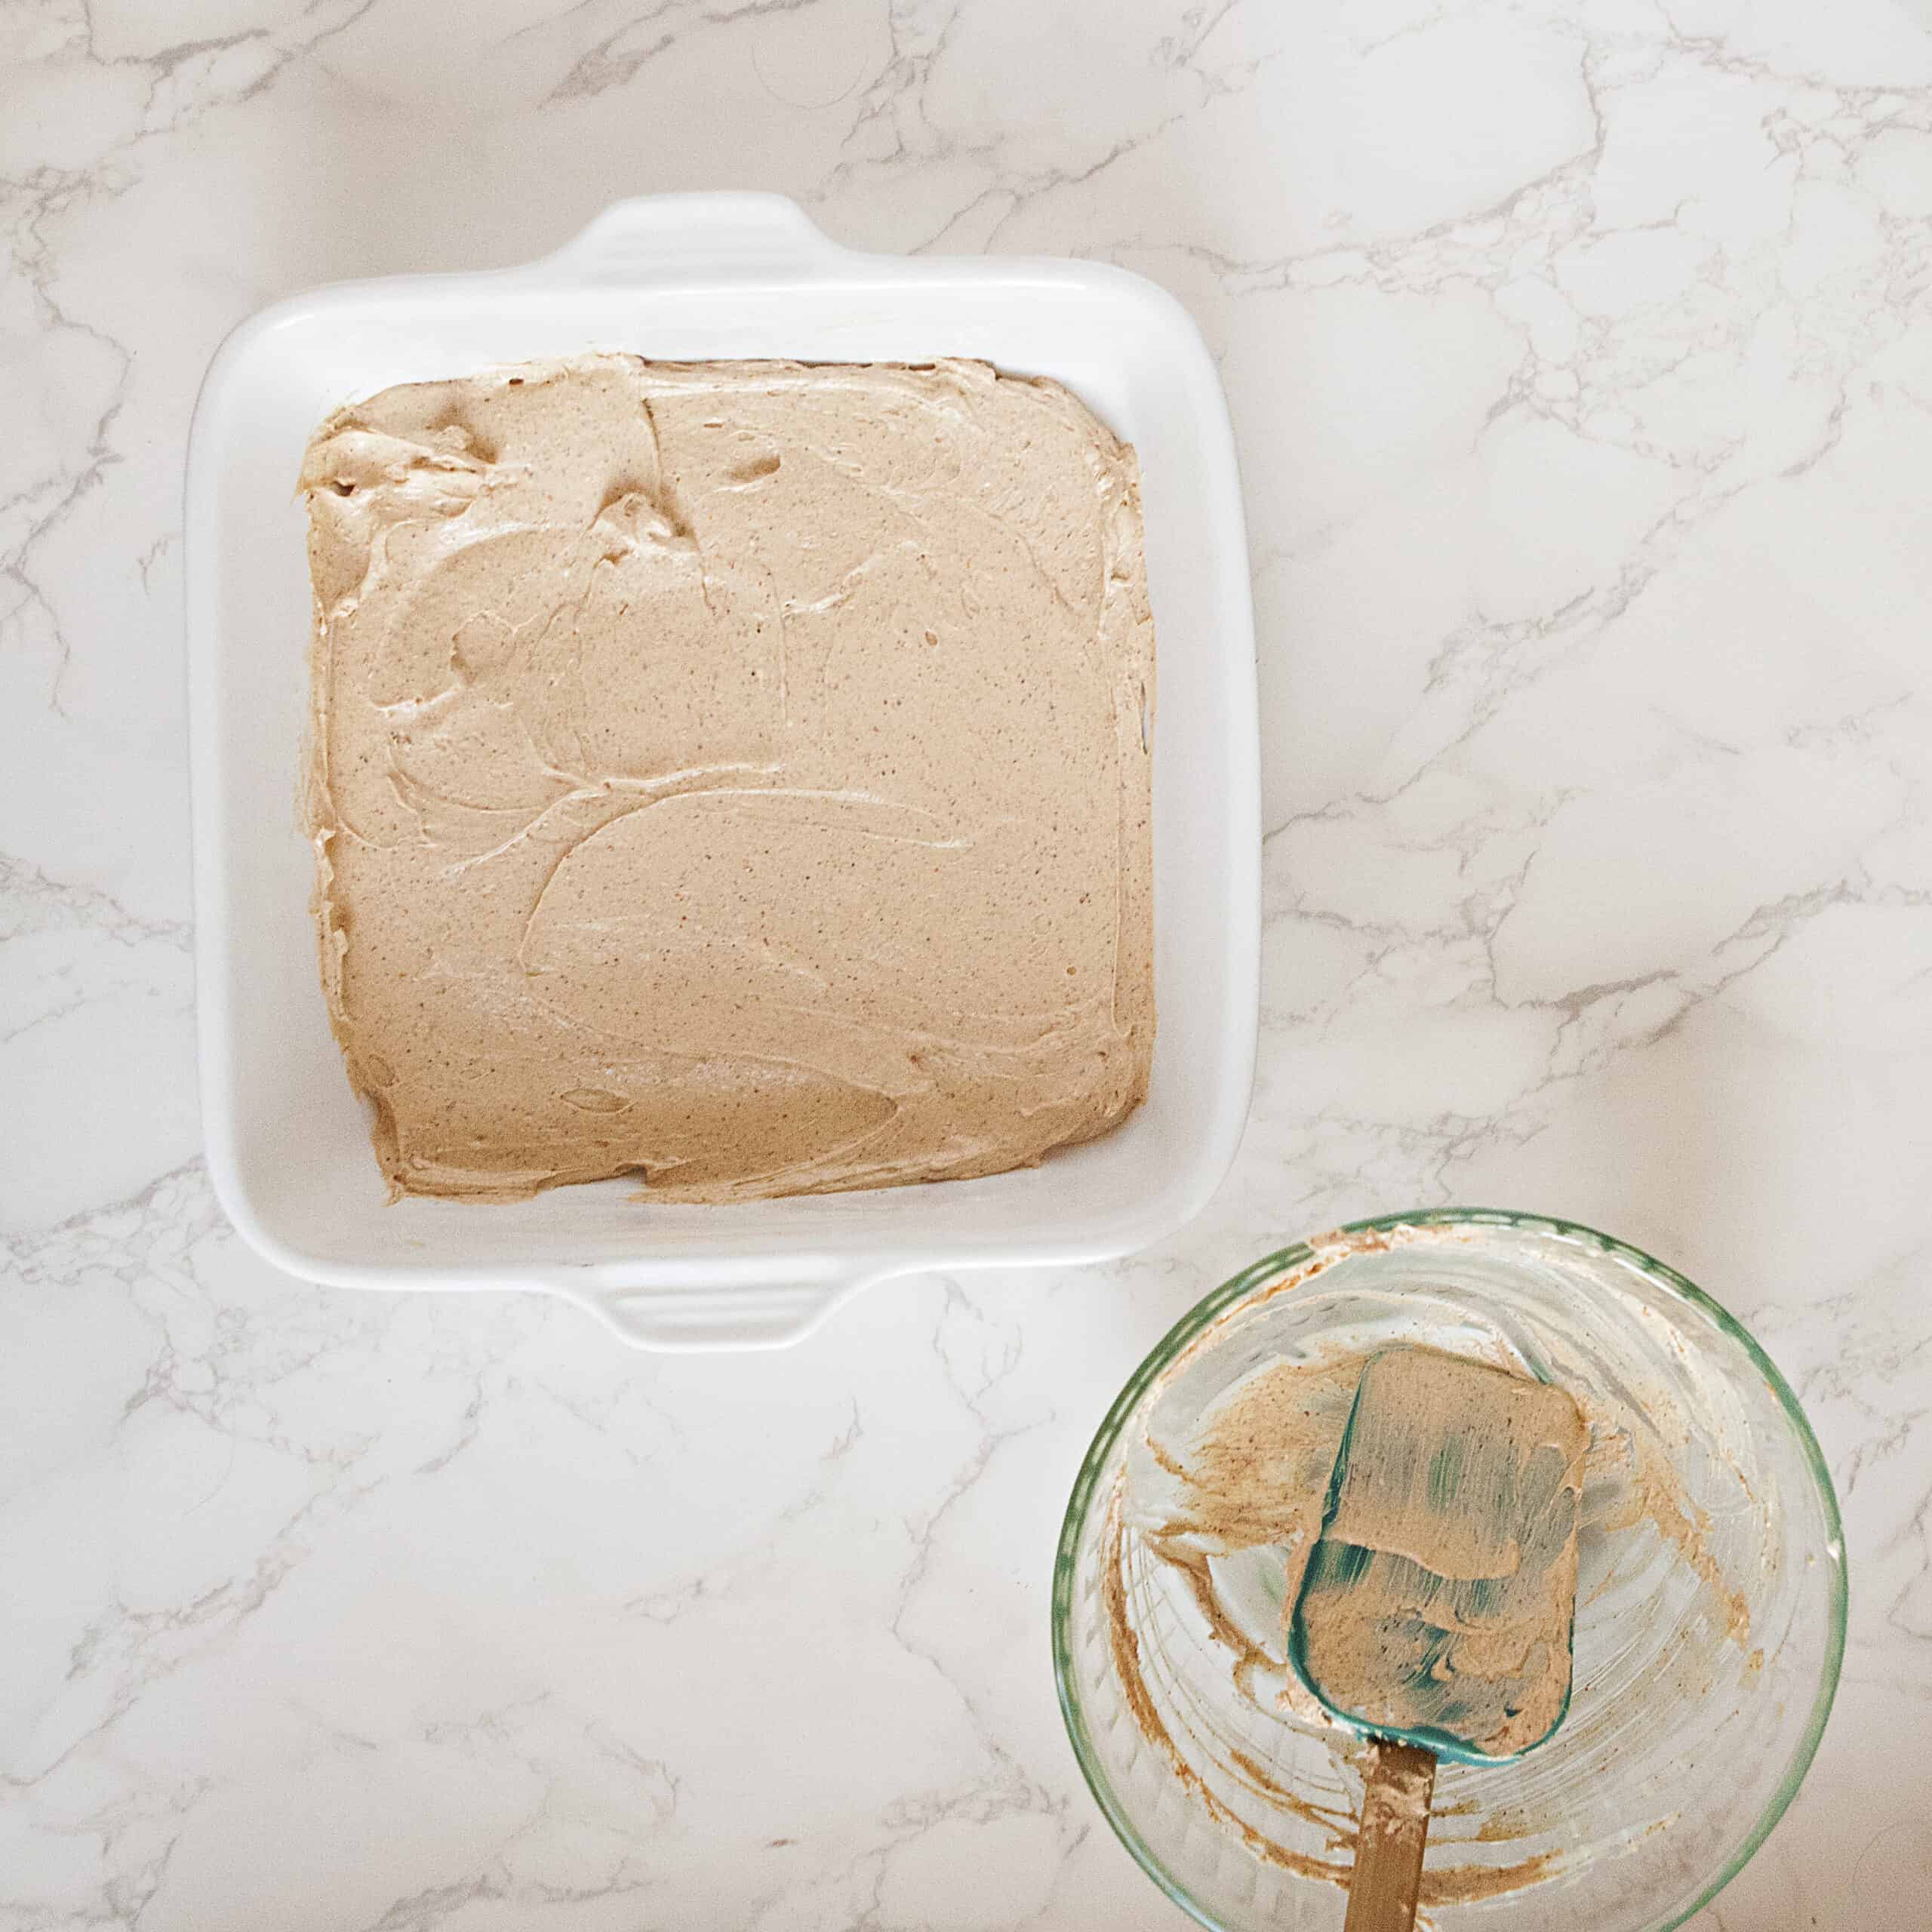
{"x":704,"y":1316}
{"x":655,"y":238}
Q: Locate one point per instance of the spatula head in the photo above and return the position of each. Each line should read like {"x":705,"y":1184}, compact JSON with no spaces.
{"x":1438,"y":1606}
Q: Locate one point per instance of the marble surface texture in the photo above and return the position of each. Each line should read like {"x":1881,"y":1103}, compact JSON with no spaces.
{"x":1580,"y":359}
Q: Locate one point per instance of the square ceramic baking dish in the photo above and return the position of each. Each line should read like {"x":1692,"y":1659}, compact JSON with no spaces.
{"x":693,"y":276}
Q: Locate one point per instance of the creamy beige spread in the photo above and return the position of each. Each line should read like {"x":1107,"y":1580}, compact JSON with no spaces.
{"x":734,"y":773}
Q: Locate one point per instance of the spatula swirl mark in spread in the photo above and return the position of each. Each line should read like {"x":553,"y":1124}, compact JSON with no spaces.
{"x":732,"y":772}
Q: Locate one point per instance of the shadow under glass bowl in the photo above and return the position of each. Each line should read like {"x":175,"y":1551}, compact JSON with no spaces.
{"x":1706,"y":1659}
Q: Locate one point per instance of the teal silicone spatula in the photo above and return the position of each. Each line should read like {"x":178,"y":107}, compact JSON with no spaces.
{"x":1435,"y":1612}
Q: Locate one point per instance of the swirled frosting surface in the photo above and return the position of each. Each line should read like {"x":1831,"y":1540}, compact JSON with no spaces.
{"x":733,"y":774}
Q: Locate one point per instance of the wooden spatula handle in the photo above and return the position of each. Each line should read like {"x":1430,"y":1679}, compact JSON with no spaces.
{"x":1394,"y":1827}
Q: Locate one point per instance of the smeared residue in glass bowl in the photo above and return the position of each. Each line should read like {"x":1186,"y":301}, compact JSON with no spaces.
{"x":1194,"y":1523}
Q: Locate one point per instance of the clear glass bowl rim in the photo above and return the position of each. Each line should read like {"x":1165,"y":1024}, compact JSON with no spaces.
{"x":1268,"y":1269}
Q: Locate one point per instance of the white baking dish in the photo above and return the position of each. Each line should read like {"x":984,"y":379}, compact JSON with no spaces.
{"x":697,"y":276}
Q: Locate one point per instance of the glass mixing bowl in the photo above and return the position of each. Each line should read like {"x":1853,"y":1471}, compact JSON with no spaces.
{"x":1711,"y":1602}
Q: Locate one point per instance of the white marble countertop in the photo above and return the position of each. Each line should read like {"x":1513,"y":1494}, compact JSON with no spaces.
{"x":1580,"y":357}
